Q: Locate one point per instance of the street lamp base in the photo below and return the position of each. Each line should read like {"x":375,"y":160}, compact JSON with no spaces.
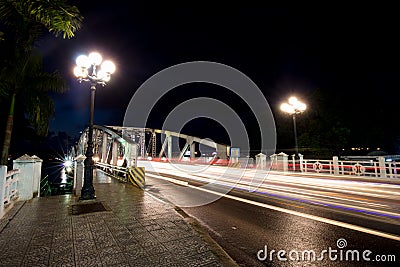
{"x":87,"y":194}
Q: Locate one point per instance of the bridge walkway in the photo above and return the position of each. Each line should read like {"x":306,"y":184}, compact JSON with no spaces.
{"x":124,"y":226}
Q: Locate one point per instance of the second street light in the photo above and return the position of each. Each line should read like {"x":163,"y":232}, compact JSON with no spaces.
{"x":87,"y":71}
{"x":294,"y":107}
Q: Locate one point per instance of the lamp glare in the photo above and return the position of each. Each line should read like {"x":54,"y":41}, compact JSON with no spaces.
{"x":95,"y":58}
{"x":108,"y":66}
{"x":83,"y":61}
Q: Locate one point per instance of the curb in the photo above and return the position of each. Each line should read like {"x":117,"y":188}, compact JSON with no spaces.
{"x":224,"y":257}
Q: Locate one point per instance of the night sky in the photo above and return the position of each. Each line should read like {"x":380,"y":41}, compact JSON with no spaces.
{"x":349,"y":53}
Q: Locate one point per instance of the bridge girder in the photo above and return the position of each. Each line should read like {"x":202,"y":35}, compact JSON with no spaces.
{"x":116,"y":144}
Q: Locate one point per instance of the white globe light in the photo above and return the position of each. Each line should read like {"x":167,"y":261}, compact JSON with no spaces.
{"x":106,"y":78}
{"x":293,"y":100}
{"x":100,"y":74}
{"x":287,"y":108}
{"x":83,"y":61}
{"x":108,"y":66}
{"x":302,"y":106}
{"x":80,"y":72}
{"x":95,"y":58}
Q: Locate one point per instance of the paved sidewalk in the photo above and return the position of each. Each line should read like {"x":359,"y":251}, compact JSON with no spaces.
{"x":134,"y":230}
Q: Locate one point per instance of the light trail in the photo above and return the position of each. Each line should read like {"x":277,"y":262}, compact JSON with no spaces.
{"x":296,"y":213}
{"x":361,"y":197}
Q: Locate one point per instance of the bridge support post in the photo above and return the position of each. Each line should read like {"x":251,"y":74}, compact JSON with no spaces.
{"x":104,"y":148}
{"x":169,"y":146}
{"x":166,"y":144}
{"x":114,"y":152}
{"x":131,"y":154}
{"x":222,"y":151}
{"x":192,"y":150}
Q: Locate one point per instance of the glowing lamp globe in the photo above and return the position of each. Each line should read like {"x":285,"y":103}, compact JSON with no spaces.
{"x":108,"y":67}
{"x":95,"y":58}
{"x":83,"y":61}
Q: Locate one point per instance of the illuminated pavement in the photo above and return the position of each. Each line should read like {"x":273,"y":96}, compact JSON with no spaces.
{"x":134,"y":229}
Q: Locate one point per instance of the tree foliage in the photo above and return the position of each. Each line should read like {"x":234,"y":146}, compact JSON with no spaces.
{"x":21,"y":75}
{"x":57,"y":16}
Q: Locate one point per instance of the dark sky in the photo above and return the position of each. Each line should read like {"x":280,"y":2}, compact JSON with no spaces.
{"x":350,"y":52}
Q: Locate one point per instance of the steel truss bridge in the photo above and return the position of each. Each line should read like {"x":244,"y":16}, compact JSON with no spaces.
{"x":122,"y":146}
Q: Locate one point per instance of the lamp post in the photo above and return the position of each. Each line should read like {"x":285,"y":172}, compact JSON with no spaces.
{"x":294,"y":107}
{"x":87,"y":71}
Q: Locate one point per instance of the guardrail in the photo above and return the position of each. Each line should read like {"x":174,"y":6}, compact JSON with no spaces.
{"x":8,"y":188}
{"x":45,"y":189}
{"x":117,"y":172}
{"x":353,"y":168}
{"x":379,"y":168}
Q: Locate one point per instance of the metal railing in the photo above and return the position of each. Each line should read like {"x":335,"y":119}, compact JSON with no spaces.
{"x":8,"y":187}
{"x":117,"y":172}
{"x":45,"y":189}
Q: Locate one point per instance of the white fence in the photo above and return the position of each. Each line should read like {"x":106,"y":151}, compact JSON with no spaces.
{"x":357,"y":168}
{"x":369,"y":168}
{"x":8,"y":188}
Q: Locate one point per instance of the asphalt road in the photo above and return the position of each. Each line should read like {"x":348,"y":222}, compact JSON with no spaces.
{"x":245,"y":229}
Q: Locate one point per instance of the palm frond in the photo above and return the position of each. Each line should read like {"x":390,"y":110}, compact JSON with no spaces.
{"x":57,"y":16}
{"x":39,"y":112}
{"x":9,"y":12}
{"x":49,"y":82}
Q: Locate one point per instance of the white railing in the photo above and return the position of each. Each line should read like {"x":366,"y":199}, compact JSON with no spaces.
{"x":8,"y":188}
{"x":117,"y":172}
{"x":378,"y":168}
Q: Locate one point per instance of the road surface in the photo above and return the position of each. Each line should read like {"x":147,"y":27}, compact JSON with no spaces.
{"x":287,"y":222}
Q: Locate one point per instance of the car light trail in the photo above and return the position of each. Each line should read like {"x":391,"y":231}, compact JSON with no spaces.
{"x":377,"y":199}
{"x":292,"y":212}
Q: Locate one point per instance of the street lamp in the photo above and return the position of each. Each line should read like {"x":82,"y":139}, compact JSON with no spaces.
{"x":294,"y":107}
{"x":87,"y":71}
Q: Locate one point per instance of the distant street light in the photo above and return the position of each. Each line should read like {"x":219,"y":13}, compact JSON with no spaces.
{"x":294,"y":107}
{"x":87,"y":71}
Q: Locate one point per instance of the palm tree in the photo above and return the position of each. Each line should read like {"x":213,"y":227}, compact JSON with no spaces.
{"x":21,"y":73}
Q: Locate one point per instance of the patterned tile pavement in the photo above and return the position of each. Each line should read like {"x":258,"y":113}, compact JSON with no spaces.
{"x":135,"y":230}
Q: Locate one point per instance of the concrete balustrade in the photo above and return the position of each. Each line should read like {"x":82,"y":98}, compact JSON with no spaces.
{"x":8,"y":188}
{"x":21,"y":183}
{"x":26,"y":165}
